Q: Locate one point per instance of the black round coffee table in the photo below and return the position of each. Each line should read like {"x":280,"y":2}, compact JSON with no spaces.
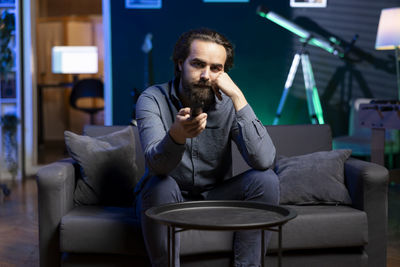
{"x":228,"y":215}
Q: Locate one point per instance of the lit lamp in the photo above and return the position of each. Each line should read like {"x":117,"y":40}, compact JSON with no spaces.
{"x":87,"y":94}
{"x":388,"y":36}
{"x":74,"y":60}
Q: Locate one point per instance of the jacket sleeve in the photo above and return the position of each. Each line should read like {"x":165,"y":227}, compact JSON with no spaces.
{"x":161,"y":153}
{"x":252,"y":139}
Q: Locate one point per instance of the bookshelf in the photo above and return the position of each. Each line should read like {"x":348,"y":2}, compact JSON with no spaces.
{"x":9,"y":85}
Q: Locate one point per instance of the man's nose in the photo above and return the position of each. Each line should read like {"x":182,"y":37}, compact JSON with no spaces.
{"x":205,"y":74}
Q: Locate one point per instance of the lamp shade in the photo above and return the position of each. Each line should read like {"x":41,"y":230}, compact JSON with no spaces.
{"x":74,"y":59}
{"x":388,"y":36}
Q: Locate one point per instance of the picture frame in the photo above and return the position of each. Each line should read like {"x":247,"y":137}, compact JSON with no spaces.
{"x":226,"y":1}
{"x":143,"y":4}
{"x":308,"y":3}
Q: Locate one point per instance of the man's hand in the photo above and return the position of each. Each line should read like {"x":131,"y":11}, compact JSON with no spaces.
{"x":187,"y":127}
{"x":224,"y":83}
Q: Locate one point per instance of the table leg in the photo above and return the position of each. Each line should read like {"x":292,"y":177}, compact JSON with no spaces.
{"x":262,"y":247}
{"x":169,"y":245}
{"x":40,"y":115}
{"x":378,"y":146}
{"x":173,"y":246}
{"x":280,"y":245}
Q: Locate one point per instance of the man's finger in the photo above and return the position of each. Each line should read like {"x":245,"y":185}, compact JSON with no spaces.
{"x":195,"y":126}
{"x":217,"y":91}
{"x":197,"y":130}
{"x":218,"y":94}
{"x":184,"y":111}
{"x":183,"y":117}
{"x":198,"y":118}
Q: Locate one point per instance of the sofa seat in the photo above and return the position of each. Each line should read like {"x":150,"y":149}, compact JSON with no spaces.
{"x":324,"y":227}
{"x":111,"y":230}
{"x":96,"y":229}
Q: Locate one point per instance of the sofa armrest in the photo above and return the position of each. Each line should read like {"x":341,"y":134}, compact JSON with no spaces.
{"x":56,"y":183}
{"x":368,"y":187}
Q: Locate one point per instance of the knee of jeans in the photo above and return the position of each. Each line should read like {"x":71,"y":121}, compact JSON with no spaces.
{"x":268,"y":181}
{"x":161,"y":190}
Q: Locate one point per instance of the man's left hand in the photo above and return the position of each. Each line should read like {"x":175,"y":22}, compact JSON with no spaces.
{"x":225,"y":84}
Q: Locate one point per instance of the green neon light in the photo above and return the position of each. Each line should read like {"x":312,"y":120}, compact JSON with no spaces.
{"x":262,"y":14}
{"x":334,"y":40}
{"x":285,"y":25}
{"x":321,"y":45}
{"x":330,"y":49}
{"x":317,"y":106}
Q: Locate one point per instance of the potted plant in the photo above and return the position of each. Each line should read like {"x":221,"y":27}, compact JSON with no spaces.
{"x":9,"y":125}
{"x":7,"y":29}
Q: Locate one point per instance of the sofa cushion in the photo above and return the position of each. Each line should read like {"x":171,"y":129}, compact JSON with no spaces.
{"x":290,"y":140}
{"x":89,"y":229}
{"x":323,"y":226}
{"x":107,"y":165}
{"x":313,"y":178}
{"x":99,"y":130}
{"x":115,"y":230}
{"x":96,"y":229}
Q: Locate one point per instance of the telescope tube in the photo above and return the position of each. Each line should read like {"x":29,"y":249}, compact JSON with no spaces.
{"x":296,"y":29}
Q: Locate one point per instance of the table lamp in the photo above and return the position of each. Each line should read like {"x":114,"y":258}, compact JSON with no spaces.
{"x":388,"y":36}
{"x":74,"y":60}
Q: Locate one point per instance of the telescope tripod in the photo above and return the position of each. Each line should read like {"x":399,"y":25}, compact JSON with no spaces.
{"x":313,"y":102}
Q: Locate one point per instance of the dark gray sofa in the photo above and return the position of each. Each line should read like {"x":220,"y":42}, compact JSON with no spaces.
{"x":321,"y":235}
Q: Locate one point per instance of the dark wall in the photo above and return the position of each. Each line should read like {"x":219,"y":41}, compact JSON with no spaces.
{"x":260,"y":48}
{"x":264,"y":52}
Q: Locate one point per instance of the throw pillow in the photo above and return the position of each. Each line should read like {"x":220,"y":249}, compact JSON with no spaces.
{"x":314,"y":178}
{"x":107,"y":166}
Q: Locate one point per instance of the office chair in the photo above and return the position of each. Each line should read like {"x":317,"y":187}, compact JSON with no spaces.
{"x":359,"y":138}
{"x":88,"y":96}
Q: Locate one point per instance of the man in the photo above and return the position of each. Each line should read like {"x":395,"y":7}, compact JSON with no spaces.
{"x":186,"y":127}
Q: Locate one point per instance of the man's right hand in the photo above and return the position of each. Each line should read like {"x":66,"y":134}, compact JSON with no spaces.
{"x":186,"y":127}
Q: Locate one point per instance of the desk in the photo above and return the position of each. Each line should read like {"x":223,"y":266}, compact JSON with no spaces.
{"x":379,"y":115}
{"x":229,"y":215}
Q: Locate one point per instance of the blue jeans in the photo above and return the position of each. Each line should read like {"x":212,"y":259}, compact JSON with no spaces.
{"x":252,"y":185}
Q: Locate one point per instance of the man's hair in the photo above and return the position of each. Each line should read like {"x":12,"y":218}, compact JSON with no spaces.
{"x":182,"y":46}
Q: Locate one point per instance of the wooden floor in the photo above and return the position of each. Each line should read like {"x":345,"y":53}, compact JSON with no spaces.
{"x":19,"y":226}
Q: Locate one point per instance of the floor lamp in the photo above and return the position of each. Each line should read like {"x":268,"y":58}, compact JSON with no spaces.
{"x":388,"y":36}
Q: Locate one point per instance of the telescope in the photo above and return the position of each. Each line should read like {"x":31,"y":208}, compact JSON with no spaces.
{"x":313,"y":101}
{"x":304,"y":35}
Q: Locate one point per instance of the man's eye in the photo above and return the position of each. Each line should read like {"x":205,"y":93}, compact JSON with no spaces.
{"x":197,"y":64}
{"x":216,"y":68}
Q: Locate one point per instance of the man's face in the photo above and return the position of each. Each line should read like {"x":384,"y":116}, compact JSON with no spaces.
{"x":199,"y":71}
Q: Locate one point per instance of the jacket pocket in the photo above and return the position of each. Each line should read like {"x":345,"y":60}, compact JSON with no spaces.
{"x":213,"y":144}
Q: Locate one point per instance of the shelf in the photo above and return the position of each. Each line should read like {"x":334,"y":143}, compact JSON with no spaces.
{"x":8,"y":100}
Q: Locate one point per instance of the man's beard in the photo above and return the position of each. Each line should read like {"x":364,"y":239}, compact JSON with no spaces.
{"x":200,"y":94}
